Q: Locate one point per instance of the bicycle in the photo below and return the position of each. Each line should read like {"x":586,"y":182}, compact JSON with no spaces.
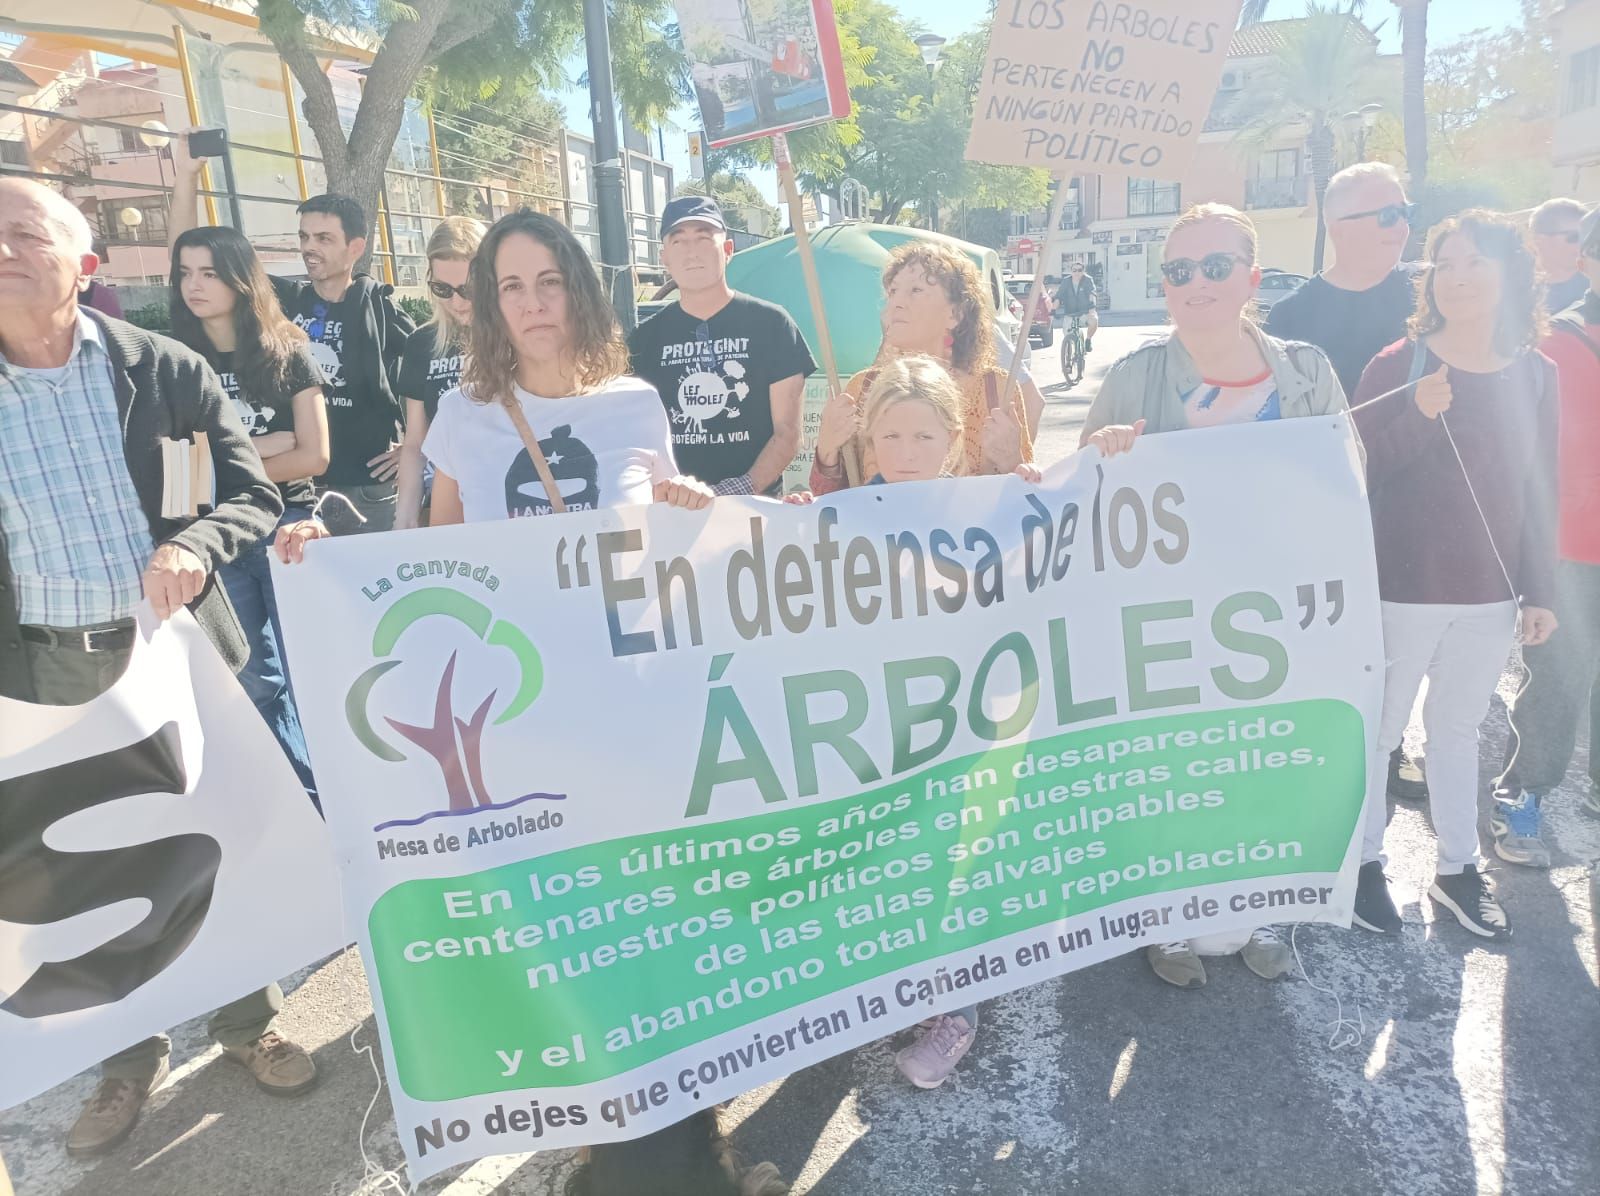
{"x":1072,"y":350}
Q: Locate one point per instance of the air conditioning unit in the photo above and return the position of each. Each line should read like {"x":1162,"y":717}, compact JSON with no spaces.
{"x":1231,"y":81}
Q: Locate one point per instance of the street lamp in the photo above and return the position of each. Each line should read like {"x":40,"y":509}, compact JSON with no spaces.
{"x":931,"y":46}
{"x":1359,"y":123}
{"x":131,"y":218}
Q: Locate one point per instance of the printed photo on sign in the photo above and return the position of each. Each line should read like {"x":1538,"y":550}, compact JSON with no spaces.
{"x":763,"y":66}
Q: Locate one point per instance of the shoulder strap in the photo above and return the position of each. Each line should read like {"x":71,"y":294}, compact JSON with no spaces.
{"x":991,"y":391}
{"x":536,"y":455}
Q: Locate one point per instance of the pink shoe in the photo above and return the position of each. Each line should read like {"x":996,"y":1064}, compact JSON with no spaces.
{"x":928,"y":1062}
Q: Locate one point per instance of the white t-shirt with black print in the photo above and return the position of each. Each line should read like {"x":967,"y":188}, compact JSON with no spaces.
{"x":605,"y":449}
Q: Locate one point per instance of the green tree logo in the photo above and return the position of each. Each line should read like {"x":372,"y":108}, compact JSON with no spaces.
{"x":456,"y":744}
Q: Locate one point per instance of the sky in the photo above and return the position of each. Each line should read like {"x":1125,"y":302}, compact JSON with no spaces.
{"x":1447,"y":21}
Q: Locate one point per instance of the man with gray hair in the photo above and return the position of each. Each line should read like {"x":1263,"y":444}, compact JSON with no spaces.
{"x":86,"y":402}
{"x":1359,"y":305}
{"x":1556,"y":236}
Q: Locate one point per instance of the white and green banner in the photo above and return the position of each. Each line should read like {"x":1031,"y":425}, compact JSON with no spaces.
{"x":639,"y":809}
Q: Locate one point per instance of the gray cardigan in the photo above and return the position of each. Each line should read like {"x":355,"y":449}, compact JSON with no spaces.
{"x":165,"y":389}
{"x":1150,"y":382}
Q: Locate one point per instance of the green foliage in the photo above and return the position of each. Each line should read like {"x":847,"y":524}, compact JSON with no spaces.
{"x":732,"y":194}
{"x":152,"y":316}
{"x":1491,"y":104}
{"x":418,"y":308}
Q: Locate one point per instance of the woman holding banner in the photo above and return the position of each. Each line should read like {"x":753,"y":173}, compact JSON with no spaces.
{"x":1459,"y":422}
{"x":547,"y":419}
{"x":935,"y":305}
{"x":1215,"y":367}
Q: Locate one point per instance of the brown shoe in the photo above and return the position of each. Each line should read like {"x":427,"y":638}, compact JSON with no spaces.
{"x":111,"y":1114}
{"x":279,"y":1066}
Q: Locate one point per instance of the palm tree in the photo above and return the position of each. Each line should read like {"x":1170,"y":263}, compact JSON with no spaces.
{"x":1253,"y":12}
{"x":1414,"y":58}
{"x":1324,"y":69}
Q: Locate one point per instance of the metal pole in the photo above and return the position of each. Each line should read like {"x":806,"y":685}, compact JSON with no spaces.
{"x":294,"y":133}
{"x":236,"y":218}
{"x":193,"y":103}
{"x":438,"y":175}
{"x":608,"y":182}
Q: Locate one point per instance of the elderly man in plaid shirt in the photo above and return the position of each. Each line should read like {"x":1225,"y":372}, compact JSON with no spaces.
{"x":85,"y":402}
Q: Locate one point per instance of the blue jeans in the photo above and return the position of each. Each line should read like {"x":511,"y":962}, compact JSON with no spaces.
{"x":265,"y":676}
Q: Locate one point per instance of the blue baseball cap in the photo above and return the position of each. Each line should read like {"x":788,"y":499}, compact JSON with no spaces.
{"x":691,"y":207}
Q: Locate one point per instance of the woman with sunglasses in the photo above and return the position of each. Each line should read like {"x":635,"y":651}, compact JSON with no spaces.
{"x":1215,"y":367}
{"x":435,"y":355}
{"x":546,"y":418}
{"x":1459,"y":423}
{"x":223,"y":307}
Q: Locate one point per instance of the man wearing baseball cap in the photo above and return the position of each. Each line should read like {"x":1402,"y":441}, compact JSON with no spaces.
{"x":1564,"y":674}
{"x":730,"y":368}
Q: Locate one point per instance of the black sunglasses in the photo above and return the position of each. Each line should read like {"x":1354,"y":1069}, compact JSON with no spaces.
{"x":1215,"y":266}
{"x":1571,"y":236}
{"x":443,"y":290}
{"x":1389,"y":215}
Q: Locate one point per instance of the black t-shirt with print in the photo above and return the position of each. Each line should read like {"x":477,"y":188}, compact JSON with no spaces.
{"x":430,"y":367}
{"x":715,"y":379}
{"x":357,"y":343}
{"x":261,"y":414}
{"x":1351,"y":327}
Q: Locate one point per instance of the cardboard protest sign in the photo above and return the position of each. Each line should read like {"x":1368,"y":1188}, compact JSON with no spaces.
{"x":641,"y":808}
{"x":763,"y":66}
{"x":158,"y":859}
{"x":1101,"y":87}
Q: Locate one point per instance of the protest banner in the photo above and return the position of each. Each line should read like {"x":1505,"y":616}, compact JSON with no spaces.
{"x":761,"y":67}
{"x":641,"y":808}
{"x":158,"y":859}
{"x":1102,"y":87}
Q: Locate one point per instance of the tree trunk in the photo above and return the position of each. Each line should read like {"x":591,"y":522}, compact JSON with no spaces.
{"x":1414,"y":55}
{"x":355,"y":164}
{"x":1320,"y":143}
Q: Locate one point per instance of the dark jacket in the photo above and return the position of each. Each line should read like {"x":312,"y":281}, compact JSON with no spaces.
{"x":164,"y":389}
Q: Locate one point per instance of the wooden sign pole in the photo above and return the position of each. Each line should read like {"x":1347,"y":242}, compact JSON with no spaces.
{"x":1046,"y":256}
{"x":808,"y":268}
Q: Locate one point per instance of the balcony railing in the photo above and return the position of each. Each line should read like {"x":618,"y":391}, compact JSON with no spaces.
{"x":1276,"y":193}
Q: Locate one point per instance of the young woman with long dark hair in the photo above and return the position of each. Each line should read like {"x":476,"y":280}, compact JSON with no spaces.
{"x":223,"y":307}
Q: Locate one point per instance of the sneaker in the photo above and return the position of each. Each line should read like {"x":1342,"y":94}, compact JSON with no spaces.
{"x":1516,"y":826}
{"x":1177,"y":964}
{"x":1468,"y":896}
{"x":111,"y":1114}
{"x":1266,"y":954}
{"x":928,"y":1062}
{"x":1407,"y":781}
{"x":278,"y":1065}
{"x":1374,"y":908}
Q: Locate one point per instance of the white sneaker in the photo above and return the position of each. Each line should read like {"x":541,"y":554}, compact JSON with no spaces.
{"x":928,"y":1061}
{"x":1177,"y":964}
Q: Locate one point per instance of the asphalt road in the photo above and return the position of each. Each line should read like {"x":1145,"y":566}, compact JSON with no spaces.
{"x":1457,"y":1067}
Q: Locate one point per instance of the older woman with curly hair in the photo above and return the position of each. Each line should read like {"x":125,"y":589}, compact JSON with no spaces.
{"x":1459,"y":424}
{"x":935,"y":304}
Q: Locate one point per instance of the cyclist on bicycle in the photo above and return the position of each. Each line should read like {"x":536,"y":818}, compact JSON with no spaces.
{"x":1077,"y":298}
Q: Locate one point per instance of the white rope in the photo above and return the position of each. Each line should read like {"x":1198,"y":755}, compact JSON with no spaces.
{"x":1343,"y":1032}
{"x":374,"y":1178}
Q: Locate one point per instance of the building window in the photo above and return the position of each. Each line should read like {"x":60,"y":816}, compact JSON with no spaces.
{"x":128,"y":141}
{"x":1583,"y":81}
{"x":1278,"y":182}
{"x":1152,"y":197}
